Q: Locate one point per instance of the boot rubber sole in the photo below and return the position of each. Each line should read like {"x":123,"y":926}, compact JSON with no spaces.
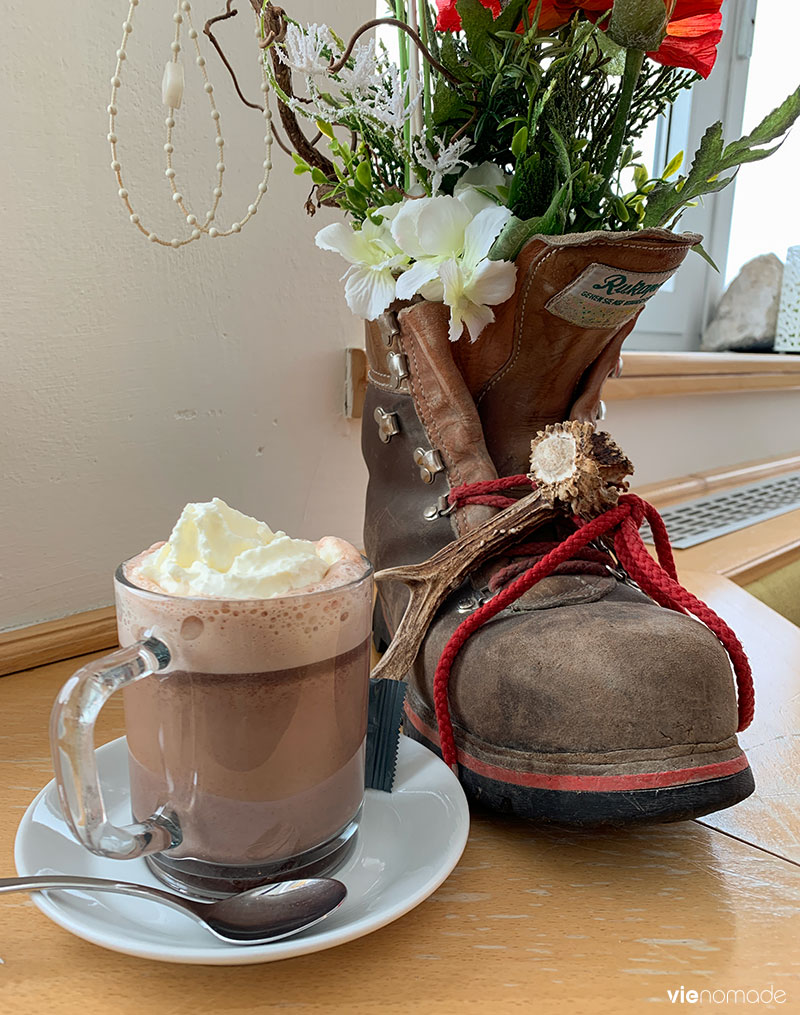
{"x":579,"y":800}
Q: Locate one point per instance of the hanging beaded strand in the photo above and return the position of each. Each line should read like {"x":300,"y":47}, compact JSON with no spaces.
{"x":206,"y":228}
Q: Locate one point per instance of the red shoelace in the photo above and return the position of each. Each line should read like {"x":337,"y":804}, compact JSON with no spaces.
{"x":659,"y":580}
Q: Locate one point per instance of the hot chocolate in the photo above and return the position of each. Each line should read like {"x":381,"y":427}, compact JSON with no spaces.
{"x":251,"y":742}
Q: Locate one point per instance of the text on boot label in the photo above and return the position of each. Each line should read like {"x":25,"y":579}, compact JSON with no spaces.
{"x":603,"y":296}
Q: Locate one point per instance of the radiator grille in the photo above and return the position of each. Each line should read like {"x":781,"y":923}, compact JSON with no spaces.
{"x":697,"y":521}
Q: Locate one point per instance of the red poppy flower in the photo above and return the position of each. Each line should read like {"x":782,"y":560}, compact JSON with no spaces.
{"x":449,"y":20}
{"x":693,"y":31}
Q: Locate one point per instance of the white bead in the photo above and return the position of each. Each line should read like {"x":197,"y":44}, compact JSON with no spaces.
{"x":134,"y":3}
{"x":175,"y":243}
{"x":236,"y":227}
{"x":112,"y":109}
{"x":172,"y":84}
{"x":217,"y":191}
{"x":192,"y":33}
{"x":152,"y":237}
{"x":264,"y":86}
{"x":169,"y":122}
{"x":200,"y":61}
{"x":127,"y":27}
{"x":262,"y":188}
{"x":267,"y":112}
{"x":121,"y":54}
{"x":214,"y":114}
{"x":169,"y":173}
{"x":116,"y":166}
{"x":168,"y":148}
{"x":209,"y":216}
{"x":177,"y":196}
{"x":186,"y":6}
{"x":252,"y":209}
{"x":220,"y":167}
{"x":192,"y":220}
{"x":268,"y":164}
{"x":177,"y":18}
{"x":115,"y":81}
{"x":220,"y":142}
{"x":175,"y":47}
{"x":196,"y":234}
{"x":213,"y":233}
{"x":135,"y":219}
{"x":112,"y":138}
{"x":208,"y":87}
{"x":123,"y":193}
{"x":268,"y":139}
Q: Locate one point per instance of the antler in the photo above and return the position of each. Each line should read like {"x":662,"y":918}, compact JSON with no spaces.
{"x":432,"y":581}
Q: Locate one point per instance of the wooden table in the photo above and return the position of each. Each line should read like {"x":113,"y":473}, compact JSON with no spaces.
{"x":530,"y":920}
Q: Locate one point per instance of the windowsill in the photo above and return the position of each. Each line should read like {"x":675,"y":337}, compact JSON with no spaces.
{"x":658,"y":374}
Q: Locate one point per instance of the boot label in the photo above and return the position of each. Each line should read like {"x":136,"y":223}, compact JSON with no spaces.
{"x":603,"y":297}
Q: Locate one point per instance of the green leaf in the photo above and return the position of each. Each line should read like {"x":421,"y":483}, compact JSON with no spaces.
{"x":673,"y":166}
{"x":510,"y":17}
{"x":698,"y":248}
{"x":319,"y":177}
{"x":476,"y":23}
{"x":640,"y":177}
{"x":771,"y":127}
{"x":363,"y":175}
{"x":519,"y":144}
{"x":325,"y":128}
{"x":516,"y":233}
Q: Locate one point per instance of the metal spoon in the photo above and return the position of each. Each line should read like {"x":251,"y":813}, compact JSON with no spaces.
{"x":255,"y":917}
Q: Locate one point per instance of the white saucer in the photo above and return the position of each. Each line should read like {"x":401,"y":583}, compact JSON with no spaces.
{"x":408,"y":842}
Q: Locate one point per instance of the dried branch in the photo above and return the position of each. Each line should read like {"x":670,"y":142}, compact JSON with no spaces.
{"x":337,"y":65}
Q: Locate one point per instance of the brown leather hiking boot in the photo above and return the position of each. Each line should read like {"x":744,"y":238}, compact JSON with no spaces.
{"x":584,"y":702}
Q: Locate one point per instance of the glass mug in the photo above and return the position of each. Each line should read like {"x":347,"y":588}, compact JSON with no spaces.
{"x":246,"y":727}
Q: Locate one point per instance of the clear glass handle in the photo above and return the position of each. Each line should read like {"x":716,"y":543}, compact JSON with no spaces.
{"x":72,"y":741}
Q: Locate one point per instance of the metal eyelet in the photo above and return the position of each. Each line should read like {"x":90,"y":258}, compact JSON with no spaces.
{"x":617,"y":371}
{"x":601,"y":410}
{"x":441,"y":509}
{"x":388,"y":425}
{"x":398,"y":368}
{"x":429,"y":462}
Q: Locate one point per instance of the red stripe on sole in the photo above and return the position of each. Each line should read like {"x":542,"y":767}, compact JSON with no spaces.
{"x":585,"y":783}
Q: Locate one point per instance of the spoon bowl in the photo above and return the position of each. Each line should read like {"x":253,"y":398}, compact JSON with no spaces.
{"x":268,"y":913}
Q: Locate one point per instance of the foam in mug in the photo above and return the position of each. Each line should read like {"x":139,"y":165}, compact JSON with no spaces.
{"x":254,"y":739}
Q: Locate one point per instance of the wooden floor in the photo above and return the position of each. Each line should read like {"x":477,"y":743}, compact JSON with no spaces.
{"x":530,"y":921}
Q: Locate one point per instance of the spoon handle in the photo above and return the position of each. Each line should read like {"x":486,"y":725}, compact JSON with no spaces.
{"x":45,"y":882}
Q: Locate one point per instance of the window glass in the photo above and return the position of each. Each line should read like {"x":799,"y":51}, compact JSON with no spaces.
{"x":766,"y":209}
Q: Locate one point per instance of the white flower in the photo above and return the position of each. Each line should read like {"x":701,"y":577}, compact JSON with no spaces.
{"x":374,"y":257}
{"x":361,"y":78}
{"x":450,"y":246}
{"x":480,"y":187}
{"x":445,"y":162}
{"x":393,"y":102}
{"x":309,"y":50}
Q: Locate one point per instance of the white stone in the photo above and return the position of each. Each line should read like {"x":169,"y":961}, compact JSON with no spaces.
{"x":747,"y":315}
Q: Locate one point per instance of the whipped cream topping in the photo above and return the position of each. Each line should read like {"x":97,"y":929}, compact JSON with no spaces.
{"x":215,"y":551}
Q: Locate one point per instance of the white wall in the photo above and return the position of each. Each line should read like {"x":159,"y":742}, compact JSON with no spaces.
{"x":136,"y":378}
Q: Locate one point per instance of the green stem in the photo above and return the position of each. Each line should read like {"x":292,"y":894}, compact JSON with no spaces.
{"x":425,"y":18}
{"x":634,"y":58}
{"x":400,"y":14}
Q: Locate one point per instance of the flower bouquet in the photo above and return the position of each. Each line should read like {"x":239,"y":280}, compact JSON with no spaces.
{"x":501,"y":120}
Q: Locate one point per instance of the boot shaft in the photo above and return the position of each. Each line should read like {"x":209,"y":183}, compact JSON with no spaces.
{"x":439,"y":414}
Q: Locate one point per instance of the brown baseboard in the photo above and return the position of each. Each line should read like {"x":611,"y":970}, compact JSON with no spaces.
{"x":54,"y":640}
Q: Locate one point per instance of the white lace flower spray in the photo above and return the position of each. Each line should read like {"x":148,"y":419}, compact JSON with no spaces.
{"x":448,"y":159}
{"x":374,"y":259}
{"x":450,"y":246}
{"x":309,"y":50}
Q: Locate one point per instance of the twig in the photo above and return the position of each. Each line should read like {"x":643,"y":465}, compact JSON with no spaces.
{"x":212,"y":38}
{"x":337,"y":65}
